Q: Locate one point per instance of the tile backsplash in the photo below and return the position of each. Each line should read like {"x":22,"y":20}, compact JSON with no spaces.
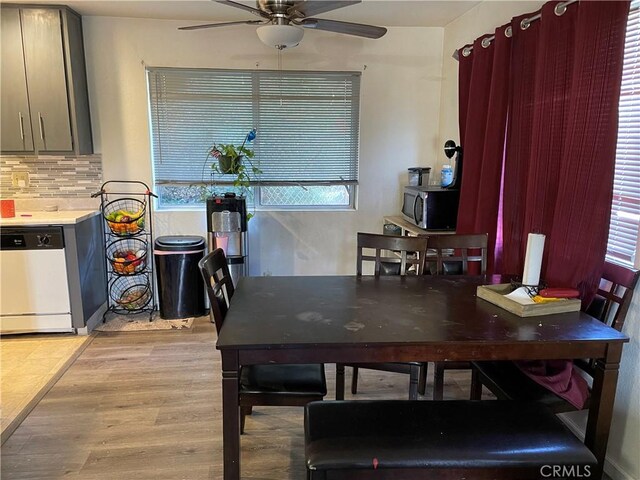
{"x":52,"y":176}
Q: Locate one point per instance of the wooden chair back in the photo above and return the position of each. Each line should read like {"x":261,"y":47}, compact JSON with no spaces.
{"x":614,"y":295}
{"x":611,"y":303}
{"x":455,"y":248}
{"x":217,"y":279}
{"x":402,"y":245}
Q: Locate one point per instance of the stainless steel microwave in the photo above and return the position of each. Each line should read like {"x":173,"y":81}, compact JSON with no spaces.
{"x":431,"y":207}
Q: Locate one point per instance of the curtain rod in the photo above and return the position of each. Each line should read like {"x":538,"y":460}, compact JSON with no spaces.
{"x":524,"y":24}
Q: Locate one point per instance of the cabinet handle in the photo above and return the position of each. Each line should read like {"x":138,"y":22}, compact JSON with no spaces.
{"x":41,"y":124}
{"x":21,"y":125}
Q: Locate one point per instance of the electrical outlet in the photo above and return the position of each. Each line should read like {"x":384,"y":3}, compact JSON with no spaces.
{"x":20,"y":179}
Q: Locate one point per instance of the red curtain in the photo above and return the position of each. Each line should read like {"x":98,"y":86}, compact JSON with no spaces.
{"x":519,"y":140}
{"x":484,"y":76}
{"x":580,"y":223}
{"x":558,"y":83}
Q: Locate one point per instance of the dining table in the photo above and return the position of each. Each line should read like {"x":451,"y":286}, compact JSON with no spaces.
{"x":367,"y":319}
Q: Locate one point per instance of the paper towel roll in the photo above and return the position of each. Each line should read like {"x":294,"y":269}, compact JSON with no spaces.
{"x":533,"y":259}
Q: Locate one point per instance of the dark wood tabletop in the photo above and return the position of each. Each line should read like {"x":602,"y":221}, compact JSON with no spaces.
{"x":331,"y":311}
{"x":399,"y":319}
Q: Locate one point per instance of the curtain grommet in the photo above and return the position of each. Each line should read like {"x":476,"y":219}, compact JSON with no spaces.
{"x":486,"y":42}
{"x":560,"y":9}
{"x":525,"y":23}
{"x":466,"y":51}
{"x":508,"y":32}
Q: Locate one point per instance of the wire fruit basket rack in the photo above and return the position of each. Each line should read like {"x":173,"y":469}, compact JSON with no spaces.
{"x":128,"y":227}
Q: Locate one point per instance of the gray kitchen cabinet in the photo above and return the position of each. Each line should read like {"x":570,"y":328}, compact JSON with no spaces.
{"x":54,"y":75}
{"x":46,"y":79}
{"x":14,"y":104}
{"x":86,"y":272}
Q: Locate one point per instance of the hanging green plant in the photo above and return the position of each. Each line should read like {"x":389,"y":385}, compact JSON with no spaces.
{"x":233,"y":160}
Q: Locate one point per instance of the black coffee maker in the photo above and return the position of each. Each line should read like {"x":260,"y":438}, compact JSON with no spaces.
{"x":451,"y":149}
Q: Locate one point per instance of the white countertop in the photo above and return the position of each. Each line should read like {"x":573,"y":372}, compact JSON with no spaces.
{"x":62,"y":217}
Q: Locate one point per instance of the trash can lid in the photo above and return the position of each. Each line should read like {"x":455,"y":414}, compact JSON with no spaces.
{"x":177,"y":243}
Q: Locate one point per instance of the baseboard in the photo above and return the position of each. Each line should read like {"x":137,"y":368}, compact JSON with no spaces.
{"x":615,"y":471}
{"x":94,"y":320}
{"x":611,"y":468}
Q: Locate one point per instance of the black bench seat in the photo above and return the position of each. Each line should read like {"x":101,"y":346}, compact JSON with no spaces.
{"x":448,"y":439}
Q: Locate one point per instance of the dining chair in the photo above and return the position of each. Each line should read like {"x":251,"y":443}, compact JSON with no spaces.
{"x":260,"y":385}
{"x":507,"y":382}
{"x":454,"y":255}
{"x":392,"y":255}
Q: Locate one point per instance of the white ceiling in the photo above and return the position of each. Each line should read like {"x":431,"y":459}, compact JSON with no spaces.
{"x":407,"y":13}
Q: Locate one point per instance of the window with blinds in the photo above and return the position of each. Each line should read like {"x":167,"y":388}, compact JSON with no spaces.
{"x":624,"y":241}
{"x":307,"y":130}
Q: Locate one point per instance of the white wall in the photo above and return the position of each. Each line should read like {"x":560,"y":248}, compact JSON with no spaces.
{"x":400,"y":98}
{"x":624,"y":441}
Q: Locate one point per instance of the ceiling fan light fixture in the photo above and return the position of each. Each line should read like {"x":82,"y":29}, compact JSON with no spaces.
{"x":280,"y":36}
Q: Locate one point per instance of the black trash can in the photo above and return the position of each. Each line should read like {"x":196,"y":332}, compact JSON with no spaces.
{"x":180,"y":285}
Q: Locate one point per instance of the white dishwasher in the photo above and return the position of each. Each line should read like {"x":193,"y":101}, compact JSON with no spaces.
{"x":34,"y":289}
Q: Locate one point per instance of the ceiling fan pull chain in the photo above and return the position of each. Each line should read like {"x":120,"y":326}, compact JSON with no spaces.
{"x":280,"y":74}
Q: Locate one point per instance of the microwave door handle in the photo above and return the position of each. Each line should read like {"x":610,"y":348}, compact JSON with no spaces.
{"x":415,"y":209}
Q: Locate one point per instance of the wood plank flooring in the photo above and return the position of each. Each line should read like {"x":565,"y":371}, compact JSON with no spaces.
{"x":146,"y":405}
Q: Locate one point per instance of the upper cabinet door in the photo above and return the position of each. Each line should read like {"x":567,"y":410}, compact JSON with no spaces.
{"x":46,"y":79}
{"x":14,"y":104}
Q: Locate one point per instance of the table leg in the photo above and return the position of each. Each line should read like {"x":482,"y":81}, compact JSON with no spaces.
{"x":230,"y":415}
{"x":603,"y":394}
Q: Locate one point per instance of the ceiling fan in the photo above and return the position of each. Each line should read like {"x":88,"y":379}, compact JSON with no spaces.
{"x":282,"y":22}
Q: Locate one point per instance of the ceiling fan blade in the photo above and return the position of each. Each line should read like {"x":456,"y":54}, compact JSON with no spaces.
{"x":242,"y":6}
{"x":225,"y":24}
{"x":308,"y":8}
{"x":357,"y":29}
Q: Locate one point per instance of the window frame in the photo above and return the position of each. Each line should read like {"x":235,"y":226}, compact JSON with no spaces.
{"x":222,"y":185}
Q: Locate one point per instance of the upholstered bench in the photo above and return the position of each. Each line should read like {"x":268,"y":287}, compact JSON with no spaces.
{"x":437,"y":440}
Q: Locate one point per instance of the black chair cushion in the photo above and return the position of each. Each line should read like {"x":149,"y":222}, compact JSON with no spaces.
{"x":508,"y":382}
{"x":285,"y":379}
{"x":388,"y":268}
{"x":437,"y":434}
{"x":449,"y":268}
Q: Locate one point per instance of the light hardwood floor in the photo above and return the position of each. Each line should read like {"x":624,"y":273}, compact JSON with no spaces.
{"x":146,"y":405}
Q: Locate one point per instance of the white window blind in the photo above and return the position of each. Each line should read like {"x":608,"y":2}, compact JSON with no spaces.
{"x":308,"y":123}
{"x":625,"y":213}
